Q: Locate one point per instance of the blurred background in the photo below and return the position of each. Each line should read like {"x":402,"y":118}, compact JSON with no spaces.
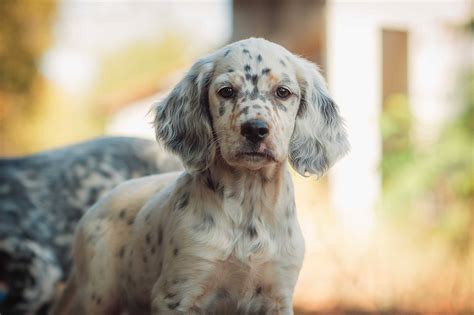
{"x":391,"y":228}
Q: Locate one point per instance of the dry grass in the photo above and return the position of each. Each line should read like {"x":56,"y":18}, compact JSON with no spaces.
{"x":390,"y":273}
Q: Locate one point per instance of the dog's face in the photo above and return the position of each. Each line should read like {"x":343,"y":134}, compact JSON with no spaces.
{"x":253,"y":103}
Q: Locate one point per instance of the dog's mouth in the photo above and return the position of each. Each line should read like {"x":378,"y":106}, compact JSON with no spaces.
{"x":257,"y":156}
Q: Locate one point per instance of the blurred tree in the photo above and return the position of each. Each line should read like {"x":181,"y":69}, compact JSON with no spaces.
{"x":138,"y":69}
{"x":395,"y":128}
{"x":25,"y":33}
{"x":433,"y":191}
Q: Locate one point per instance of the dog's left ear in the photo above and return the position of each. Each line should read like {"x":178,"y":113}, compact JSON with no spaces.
{"x":182,"y":120}
{"x":319,"y":138}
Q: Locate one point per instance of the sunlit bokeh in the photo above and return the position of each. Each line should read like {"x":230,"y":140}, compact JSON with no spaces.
{"x":391,"y":227}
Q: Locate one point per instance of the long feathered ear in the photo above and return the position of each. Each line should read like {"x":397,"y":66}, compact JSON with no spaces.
{"x":319,"y":138}
{"x":182,"y":120}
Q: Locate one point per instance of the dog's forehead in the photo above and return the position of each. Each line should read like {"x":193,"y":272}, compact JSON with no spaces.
{"x":254,"y":52}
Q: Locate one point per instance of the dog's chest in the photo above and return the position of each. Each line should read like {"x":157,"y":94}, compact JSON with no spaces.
{"x":235,"y":284}
{"x":246,"y":272}
{"x":250,"y":236}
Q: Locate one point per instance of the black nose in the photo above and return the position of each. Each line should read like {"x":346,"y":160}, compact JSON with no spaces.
{"x":254,"y":130}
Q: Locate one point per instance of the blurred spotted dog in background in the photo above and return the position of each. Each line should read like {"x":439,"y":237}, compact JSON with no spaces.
{"x":43,"y":196}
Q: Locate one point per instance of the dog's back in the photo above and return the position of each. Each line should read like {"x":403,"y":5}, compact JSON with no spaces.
{"x":116,"y":211}
{"x":43,"y":196}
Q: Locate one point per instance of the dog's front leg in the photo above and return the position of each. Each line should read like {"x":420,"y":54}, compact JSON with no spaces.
{"x":183,"y":290}
{"x":286,"y":310}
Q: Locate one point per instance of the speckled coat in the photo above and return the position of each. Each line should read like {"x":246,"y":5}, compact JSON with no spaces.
{"x":222,"y":237}
{"x":43,"y":196}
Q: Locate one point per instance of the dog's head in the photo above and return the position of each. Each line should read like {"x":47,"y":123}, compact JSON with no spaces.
{"x":253,"y":103}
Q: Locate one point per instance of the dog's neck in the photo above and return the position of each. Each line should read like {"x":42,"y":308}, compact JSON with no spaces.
{"x":256,"y":190}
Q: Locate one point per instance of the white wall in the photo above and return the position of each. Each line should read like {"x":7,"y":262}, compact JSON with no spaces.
{"x":354,"y":62}
{"x":134,"y":120}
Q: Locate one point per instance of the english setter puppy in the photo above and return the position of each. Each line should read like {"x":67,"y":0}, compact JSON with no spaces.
{"x":42,"y":198}
{"x":222,"y":237}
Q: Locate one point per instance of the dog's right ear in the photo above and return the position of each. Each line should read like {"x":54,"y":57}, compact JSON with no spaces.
{"x":182,"y":120}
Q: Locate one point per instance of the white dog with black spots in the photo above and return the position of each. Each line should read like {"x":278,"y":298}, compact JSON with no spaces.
{"x":222,"y":237}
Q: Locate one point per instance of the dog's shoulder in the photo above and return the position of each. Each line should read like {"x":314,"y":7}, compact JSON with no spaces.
{"x":131,"y":195}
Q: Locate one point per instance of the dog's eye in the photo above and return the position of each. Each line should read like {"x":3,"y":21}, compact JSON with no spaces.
{"x":226,"y":92}
{"x":282,"y":92}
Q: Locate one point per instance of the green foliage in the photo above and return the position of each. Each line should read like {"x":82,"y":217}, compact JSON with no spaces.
{"x":435,"y":190}
{"x":395,"y":125}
